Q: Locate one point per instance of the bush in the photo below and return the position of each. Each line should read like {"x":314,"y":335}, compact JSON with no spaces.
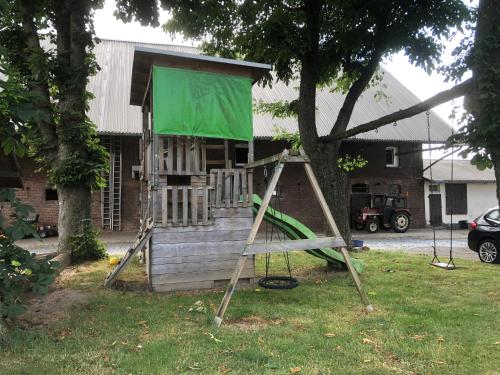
{"x":21,"y":272}
{"x":85,"y":245}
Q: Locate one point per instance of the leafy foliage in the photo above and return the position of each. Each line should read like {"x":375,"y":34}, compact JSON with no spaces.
{"x":20,"y":271}
{"x":281,"y":134}
{"x":479,"y":51}
{"x":44,"y":98}
{"x":350,"y":163}
{"x":85,"y":245}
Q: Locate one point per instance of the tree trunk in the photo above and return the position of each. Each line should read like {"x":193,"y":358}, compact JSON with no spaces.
{"x":74,"y":206}
{"x":333,"y":183}
{"x":495,"y":158}
{"x":332,"y":180}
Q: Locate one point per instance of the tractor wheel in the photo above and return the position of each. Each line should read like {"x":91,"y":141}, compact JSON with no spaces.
{"x":372,"y":226}
{"x":400,"y":222}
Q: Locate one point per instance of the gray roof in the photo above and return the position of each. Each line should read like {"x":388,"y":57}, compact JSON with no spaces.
{"x":111,"y":112}
{"x":463,"y":171}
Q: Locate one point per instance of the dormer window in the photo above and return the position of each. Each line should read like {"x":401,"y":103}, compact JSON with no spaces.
{"x":391,"y":157}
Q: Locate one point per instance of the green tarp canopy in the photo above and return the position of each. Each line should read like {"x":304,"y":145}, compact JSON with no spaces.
{"x":202,"y":104}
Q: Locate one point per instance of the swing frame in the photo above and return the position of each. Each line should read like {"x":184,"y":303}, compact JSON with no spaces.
{"x":289,"y":245}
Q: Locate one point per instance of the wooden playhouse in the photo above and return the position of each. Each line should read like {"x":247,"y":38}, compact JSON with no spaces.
{"x":197,"y":136}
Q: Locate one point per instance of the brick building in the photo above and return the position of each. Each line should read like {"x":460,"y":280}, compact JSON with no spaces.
{"x":393,"y":152}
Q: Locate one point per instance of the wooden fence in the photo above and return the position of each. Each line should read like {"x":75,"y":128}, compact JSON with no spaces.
{"x":183,"y":206}
{"x":182,"y":156}
{"x":231,"y":188}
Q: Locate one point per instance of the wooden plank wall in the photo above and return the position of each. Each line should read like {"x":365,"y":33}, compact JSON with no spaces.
{"x":231,"y":188}
{"x":200,"y":257}
{"x":182,"y":156}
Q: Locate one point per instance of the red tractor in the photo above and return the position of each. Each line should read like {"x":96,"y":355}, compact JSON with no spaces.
{"x":387,"y":212}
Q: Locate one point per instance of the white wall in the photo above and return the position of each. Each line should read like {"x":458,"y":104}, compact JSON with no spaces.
{"x":480,"y":197}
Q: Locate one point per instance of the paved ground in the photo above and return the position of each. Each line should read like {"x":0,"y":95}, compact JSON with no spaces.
{"x":417,"y":241}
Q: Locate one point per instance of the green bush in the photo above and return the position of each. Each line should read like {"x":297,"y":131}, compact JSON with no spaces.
{"x":85,"y":245}
{"x":19,"y":270}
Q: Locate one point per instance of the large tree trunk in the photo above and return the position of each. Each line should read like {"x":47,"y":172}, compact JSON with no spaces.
{"x":74,"y":206}
{"x":324,"y":156}
{"x":333,"y":183}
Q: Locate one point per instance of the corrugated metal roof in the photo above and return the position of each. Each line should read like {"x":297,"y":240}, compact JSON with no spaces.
{"x":463,"y":171}
{"x":111,"y":112}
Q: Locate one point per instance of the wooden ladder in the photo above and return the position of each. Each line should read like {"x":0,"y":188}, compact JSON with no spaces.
{"x":255,"y":248}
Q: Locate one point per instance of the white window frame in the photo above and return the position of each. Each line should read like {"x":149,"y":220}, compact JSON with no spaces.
{"x":395,"y":157}
{"x":436,"y":189}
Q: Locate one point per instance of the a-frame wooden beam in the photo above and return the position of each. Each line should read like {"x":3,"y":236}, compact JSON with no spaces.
{"x":253,"y":248}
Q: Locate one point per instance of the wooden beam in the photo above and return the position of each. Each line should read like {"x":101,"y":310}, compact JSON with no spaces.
{"x":274,"y":158}
{"x":293,"y":245}
{"x":336,"y":232}
{"x":251,"y":238}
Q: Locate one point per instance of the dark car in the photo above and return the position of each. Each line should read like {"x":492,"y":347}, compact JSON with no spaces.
{"x":484,"y":236}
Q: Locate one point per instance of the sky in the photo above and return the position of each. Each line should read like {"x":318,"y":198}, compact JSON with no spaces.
{"x":415,"y":79}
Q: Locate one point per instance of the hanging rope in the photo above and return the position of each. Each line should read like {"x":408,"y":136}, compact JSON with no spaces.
{"x":269,"y":281}
{"x":435,"y":260}
{"x":433,"y":224}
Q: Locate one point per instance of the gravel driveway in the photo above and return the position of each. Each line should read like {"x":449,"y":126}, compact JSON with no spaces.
{"x":417,"y":241}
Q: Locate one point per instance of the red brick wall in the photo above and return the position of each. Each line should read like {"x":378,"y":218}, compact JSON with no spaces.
{"x":36,"y":183}
{"x":298,"y":198}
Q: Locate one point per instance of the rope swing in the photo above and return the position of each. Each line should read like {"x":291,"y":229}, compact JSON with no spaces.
{"x":450,"y":265}
{"x":270,"y":281}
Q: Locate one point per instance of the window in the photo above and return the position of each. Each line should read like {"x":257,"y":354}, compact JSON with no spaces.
{"x":391,"y":157}
{"x":434,"y":188}
{"x":360,"y":188}
{"x":240,"y":154}
{"x":393,"y":189}
{"x":50,"y":194}
{"x":493,"y":216}
{"x":456,"y":199}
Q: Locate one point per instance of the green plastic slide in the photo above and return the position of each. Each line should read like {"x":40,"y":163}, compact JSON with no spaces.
{"x":295,"y":230}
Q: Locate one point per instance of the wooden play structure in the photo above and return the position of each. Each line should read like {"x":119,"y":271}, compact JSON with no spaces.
{"x":198,"y":229}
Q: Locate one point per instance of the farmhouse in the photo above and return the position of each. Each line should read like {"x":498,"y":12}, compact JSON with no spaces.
{"x":468,"y":194}
{"x":393,"y":152}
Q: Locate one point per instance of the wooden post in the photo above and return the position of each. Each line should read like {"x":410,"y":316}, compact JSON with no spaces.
{"x":227,"y":188}
{"x":236,"y":188}
{"x":189,"y":154}
{"x":194,"y":205}
{"x":175,"y":205}
{"x":205,"y":205}
{"x":251,"y":238}
{"x":170,"y":155}
{"x":185,"y":203}
{"x":218,"y":191}
{"x":336,"y":232}
{"x":161,"y":155}
{"x":226,"y":154}
{"x":244,"y":191}
{"x":164,"y":206}
{"x":180,"y":154}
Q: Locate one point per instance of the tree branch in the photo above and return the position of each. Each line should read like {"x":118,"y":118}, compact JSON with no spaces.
{"x":39,"y":86}
{"x":353,"y":95}
{"x":443,"y":97}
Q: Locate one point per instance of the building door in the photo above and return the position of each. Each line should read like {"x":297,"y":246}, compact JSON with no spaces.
{"x":435,"y":210}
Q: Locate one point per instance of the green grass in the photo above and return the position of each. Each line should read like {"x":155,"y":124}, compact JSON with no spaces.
{"x":427,"y":321}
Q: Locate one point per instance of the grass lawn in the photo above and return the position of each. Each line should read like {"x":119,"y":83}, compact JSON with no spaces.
{"x":426,"y":321}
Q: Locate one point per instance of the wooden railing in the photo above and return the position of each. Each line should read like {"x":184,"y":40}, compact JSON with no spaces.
{"x":182,"y":156}
{"x":231,"y":188}
{"x":183,"y":206}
